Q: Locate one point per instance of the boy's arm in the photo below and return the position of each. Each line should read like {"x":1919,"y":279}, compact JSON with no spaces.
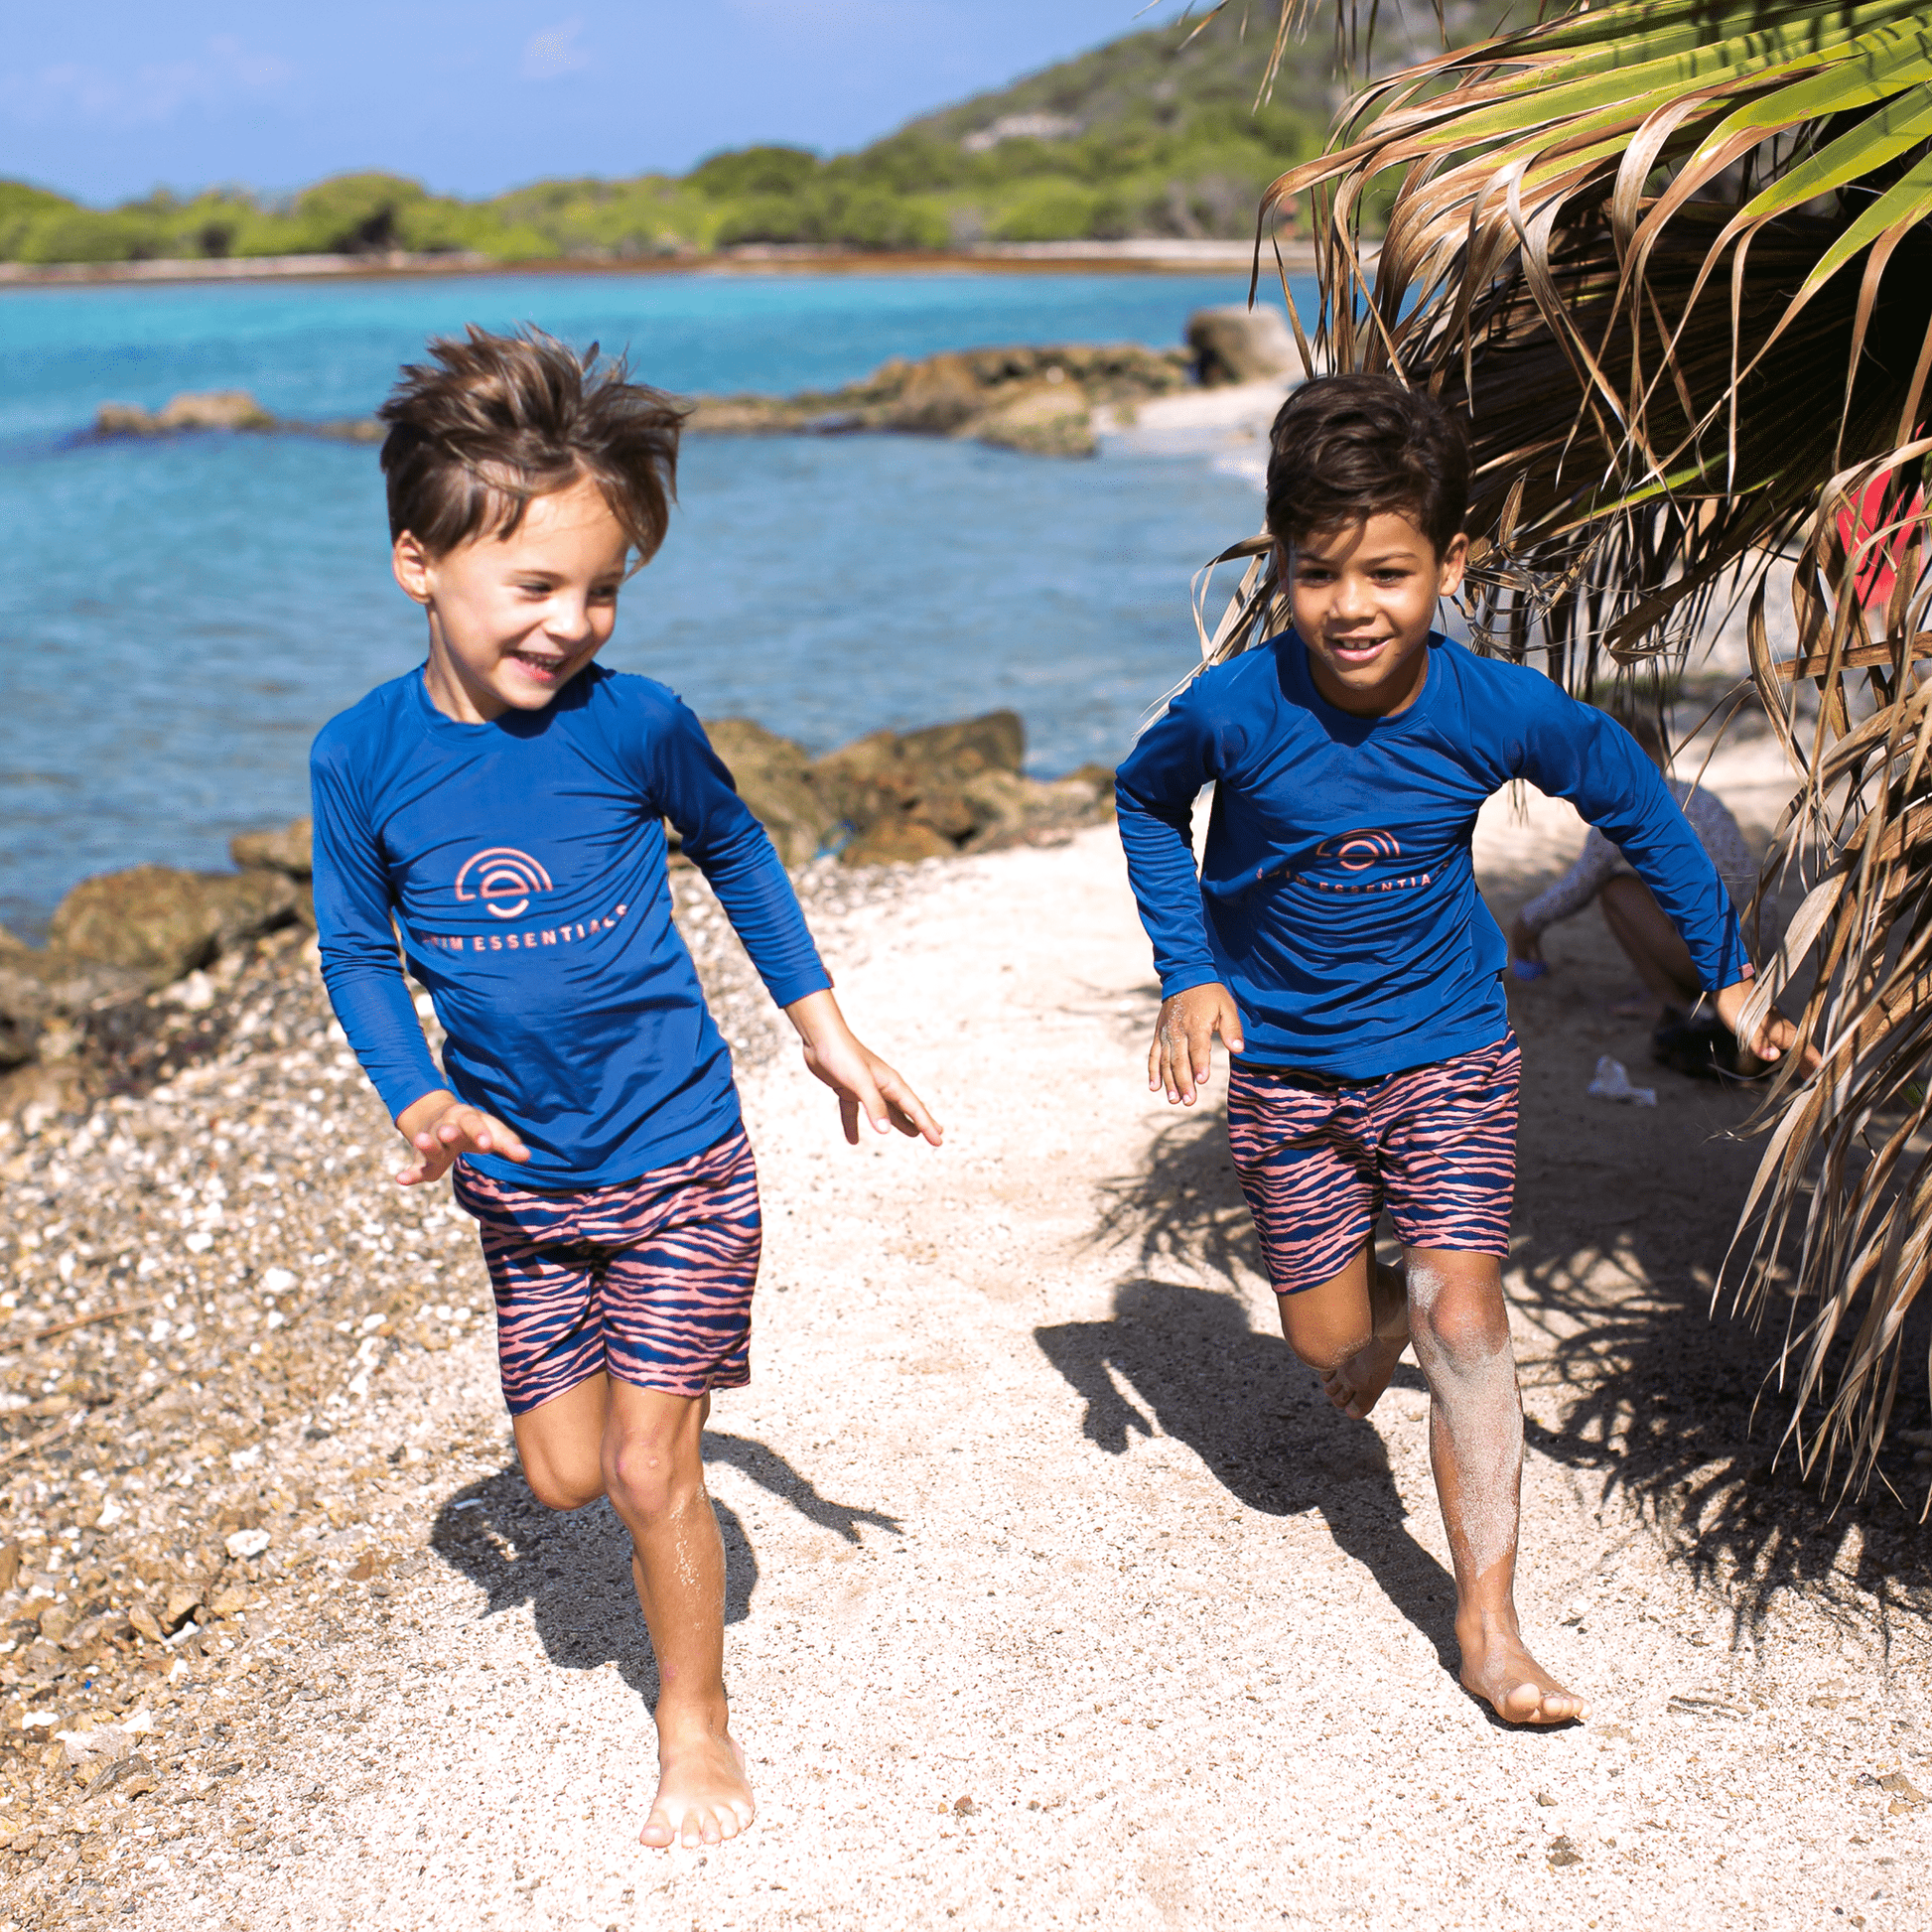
{"x":1575,"y":751}
{"x":690,"y":785}
{"x":725,"y":841}
{"x":1154,"y":792}
{"x":362,"y":967}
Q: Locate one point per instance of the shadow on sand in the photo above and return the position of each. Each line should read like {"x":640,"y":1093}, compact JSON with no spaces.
{"x":573,"y":1569}
{"x":1652,"y":1397}
{"x":1259,"y":1421}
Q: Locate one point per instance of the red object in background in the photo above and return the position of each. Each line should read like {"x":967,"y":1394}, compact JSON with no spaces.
{"x":1880,"y":571}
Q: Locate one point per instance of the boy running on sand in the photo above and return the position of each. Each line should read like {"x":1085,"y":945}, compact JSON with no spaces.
{"x":1335,"y":940}
{"x":501,"y":809}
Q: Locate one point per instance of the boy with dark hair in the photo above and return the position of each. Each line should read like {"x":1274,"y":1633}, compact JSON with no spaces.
{"x":1335,"y":940}
{"x":500,"y":809}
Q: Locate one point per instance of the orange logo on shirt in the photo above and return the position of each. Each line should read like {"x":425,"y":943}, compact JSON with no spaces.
{"x":504,"y":880}
{"x":1353,"y":852}
{"x":1358,"y":850}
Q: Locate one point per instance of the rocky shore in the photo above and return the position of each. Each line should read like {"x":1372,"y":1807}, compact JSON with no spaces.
{"x":1040,"y":1544}
{"x":1041,"y":401}
{"x":204,"y":1264}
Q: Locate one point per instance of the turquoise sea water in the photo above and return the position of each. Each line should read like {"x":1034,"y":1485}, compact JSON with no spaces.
{"x":177,"y":617}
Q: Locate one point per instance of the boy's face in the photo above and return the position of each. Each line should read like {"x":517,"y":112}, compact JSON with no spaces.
{"x":1363,"y":599}
{"x":513,"y":619}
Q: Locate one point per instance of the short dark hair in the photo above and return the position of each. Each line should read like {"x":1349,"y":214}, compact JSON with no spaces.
{"x":1345,"y":448}
{"x":500,"y":420}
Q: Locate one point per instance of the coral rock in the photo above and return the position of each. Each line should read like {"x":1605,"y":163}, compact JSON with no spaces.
{"x":288,"y":850}
{"x":1240,"y":344}
{"x":163,"y":923}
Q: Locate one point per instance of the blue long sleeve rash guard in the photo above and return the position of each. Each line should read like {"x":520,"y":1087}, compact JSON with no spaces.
{"x":1336,"y":899}
{"x":522,"y":862}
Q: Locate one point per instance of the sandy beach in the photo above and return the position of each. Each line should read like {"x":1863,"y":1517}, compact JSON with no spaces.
{"x":1058,"y":1595}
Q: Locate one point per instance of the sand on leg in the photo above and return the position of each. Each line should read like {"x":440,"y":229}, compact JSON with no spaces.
{"x":653,"y":1468}
{"x":1460,"y":1325}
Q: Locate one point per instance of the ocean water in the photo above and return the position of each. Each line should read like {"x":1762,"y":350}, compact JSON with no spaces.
{"x":177,"y":617}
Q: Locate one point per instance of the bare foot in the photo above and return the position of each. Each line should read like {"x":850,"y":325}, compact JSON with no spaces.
{"x":1355,"y":1386}
{"x":703,"y":1795}
{"x":1497,"y":1669}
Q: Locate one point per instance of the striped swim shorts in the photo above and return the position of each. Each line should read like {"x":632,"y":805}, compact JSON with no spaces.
{"x":649,"y":1281}
{"x":1319,"y":1158}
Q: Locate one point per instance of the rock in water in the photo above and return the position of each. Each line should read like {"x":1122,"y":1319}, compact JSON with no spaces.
{"x":938,"y":397}
{"x":215,"y":409}
{"x":198,"y":409}
{"x":290,"y":850}
{"x":1038,"y":400}
{"x":1239,"y":344}
{"x":163,"y":923}
{"x":1041,"y":419}
{"x":224,"y":409}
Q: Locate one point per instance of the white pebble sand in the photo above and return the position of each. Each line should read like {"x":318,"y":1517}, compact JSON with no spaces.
{"x":1058,"y":1593}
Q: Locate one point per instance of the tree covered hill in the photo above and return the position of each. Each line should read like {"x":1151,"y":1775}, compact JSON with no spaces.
{"x":1153,"y":134}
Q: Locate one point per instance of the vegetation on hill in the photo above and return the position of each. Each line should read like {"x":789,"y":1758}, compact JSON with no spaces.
{"x":1153,"y":134}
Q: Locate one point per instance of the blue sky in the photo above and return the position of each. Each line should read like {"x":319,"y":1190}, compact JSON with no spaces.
{"x":105,"y":99}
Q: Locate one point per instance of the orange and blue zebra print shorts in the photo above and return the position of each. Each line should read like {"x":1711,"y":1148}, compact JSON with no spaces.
{"x":1319,"y":1158}
{"x":649,"y":1281}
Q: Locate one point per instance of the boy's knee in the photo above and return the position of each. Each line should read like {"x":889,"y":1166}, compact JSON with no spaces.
{"x":1461,"y":1330}
{"x":650,"y":1476}
{"x":1321,"y":1343}
{"x":556,"y":1490}
{"x":1321,"y":1354}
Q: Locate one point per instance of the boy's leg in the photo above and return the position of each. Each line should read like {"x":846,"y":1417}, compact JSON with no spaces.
{"x":549,"y":1333}
{"x":560,"y":1444}
{"x":684,"y":1259}
{"x":1642,"y":929}
{"x":1352,"y":1330}
{"x":1307,"y":1164}
{"x":583,"y":1433}
{"x":1448,"y":1165}
{"x":653,"y":1469}
{"x":1460,"y":1328}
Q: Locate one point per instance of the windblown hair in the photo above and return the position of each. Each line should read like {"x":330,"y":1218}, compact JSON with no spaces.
{"x":1345,"y":448}
{"x":500,"y":420}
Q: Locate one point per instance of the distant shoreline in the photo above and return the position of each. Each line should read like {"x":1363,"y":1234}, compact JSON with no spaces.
{"x":1142,"y":255}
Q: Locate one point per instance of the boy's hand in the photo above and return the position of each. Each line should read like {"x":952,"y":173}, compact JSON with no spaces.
{"x":1181,"y":1059}
{"x":860,"y":1078}
{"x":1525,"y":944}
{"x":441,"y":1128}
{"x":1775,"y":1037}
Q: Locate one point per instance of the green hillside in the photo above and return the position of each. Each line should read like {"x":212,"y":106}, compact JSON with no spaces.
{"x":1153,"y":134}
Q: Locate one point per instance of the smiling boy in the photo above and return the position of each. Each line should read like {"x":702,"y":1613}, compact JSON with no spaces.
{"x":1335,"y":940}
{"x":500,"y":810}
